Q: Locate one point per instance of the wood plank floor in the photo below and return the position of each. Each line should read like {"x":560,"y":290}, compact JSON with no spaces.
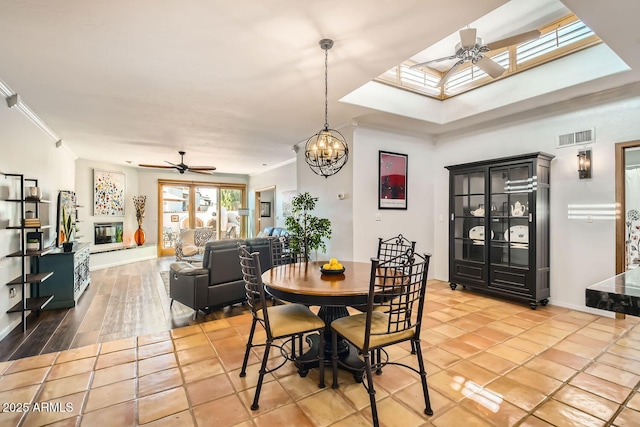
{"x":121,"y":302}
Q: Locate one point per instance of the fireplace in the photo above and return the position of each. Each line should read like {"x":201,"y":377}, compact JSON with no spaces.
{"x":107,"y":232}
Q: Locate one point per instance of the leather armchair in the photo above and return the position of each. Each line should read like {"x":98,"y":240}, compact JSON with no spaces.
{"x":219,"y":281}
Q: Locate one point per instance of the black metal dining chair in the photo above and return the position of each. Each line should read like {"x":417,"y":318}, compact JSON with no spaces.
{"x":279,"y":321}
{"x":389,"y":249}
{"x":399,"y":286}
{"x":279,"y":252}
{"x":280,"y":255}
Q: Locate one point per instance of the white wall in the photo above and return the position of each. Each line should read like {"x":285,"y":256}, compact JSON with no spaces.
{"x":26,"y":150}
{"x":339,"y":212}
{"x":581,"y":253}
{"x":417,"y":222}
{"x":84,"y":195}
{"x":353,"y":219}
{"x":284,"y":179}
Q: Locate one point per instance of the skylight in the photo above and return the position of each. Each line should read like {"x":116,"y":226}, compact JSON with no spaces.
{"x":558,"y":39}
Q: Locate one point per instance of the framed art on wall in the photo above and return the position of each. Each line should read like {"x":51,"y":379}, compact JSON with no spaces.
{"x":108,"y":193}
{"x":392,"y":180}
{"x":265,"y":209}
{"x":66,"y":210}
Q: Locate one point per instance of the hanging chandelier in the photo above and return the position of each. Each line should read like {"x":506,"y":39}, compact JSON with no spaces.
{"x":326,"y":152}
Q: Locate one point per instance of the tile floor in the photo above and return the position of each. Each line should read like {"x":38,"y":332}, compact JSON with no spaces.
{"x":489,"y":363}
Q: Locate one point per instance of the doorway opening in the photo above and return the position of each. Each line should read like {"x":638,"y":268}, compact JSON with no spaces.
{"x":264,"y":209}
{"x":628,"y":202}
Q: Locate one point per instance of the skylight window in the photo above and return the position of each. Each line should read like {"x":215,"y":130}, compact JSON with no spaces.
{"x":563,"y":36}
{"x":560,"y":38}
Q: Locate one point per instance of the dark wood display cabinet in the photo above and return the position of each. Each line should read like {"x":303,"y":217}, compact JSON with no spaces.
{"x":499,"y":227}
{"x":31,"y":247}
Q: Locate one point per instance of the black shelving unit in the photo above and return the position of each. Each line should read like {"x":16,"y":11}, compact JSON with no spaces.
{"x":499,"y":227}
{"x":35,"y":302}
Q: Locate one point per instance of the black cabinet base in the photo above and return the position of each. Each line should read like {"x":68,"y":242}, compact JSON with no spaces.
{"x":532,"y":303}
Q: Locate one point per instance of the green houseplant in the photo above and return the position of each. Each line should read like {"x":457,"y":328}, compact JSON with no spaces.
{"x":306,"y":231}
{"x":67,"y":230}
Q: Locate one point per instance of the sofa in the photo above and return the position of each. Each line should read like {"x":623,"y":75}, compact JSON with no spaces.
{"x":191,"y":242}
{"x":273,"y":232}
{"x":218,"y":282}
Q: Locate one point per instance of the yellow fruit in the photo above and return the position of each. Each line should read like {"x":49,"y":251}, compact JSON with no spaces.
{"x":338,"y":266}
{"x":327,"y":266}
{"x":333,"y":261}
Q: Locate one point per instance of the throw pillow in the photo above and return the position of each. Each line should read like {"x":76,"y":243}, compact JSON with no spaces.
{"x":189,"y":249}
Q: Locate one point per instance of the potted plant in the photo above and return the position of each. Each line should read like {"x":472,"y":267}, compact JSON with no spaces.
{"x":33,"y":244}
{"x":306,"y":231}
{"x":67,"y":230}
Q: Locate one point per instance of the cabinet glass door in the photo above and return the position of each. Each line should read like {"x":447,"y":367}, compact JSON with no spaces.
{"x":469,"y":216}
{"x":510,"y":188}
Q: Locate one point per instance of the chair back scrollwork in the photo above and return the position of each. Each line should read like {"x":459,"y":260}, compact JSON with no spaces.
{"x":397,"y":287}
{"x":389,"y":249}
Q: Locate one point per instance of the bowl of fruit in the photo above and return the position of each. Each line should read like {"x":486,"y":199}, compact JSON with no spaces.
{"x":332,"y":267}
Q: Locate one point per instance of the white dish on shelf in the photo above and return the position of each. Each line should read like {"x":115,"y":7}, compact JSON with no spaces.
{"x":520,"y":245}
{"x":478,"y":212}
{"x":477,"y":234}
{"x":517,"y":234}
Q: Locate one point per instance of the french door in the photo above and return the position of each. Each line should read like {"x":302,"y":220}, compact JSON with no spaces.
{"x":189,"y":205}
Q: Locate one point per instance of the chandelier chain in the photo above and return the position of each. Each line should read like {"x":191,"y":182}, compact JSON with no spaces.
{"x":326,"y":152}
{"x":326,"y":90}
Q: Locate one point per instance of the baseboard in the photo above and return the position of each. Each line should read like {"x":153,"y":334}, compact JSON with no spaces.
{"x":583,"y":308}
{"x":6,"y":331}
{"x":100,"y":260}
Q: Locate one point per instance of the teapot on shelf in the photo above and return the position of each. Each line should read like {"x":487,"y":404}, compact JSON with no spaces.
{"x":518,"y":209}
{"x":479,"y":211}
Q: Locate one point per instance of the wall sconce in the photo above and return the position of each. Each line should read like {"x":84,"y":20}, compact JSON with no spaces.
{"x":584,"y":164}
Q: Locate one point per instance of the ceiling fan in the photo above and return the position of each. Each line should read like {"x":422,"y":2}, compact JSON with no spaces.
{"x":182,"y":168}
{"x":472,"y":49}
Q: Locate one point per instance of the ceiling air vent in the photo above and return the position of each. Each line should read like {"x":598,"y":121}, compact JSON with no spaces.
{"x":577,"y":138}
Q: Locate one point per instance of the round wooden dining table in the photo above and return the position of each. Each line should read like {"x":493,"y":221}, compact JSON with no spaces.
{"x":304,"y":283}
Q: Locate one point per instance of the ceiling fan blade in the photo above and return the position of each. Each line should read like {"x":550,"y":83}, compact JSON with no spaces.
{"x":490,"y":67}
{"x":468,"y":37}
{"x":203,"y":172}
{"x":446,"y":58}
{"x":449,"y":73}
{"x":156,"y":166}
{"x":202,"y":168}
{"x":517,"y":39}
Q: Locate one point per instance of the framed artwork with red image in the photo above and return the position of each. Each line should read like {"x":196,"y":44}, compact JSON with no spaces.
{"x":392,"y":180}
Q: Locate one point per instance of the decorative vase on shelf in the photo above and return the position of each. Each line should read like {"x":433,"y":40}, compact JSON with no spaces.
{"x":67,"y":246}
{"x":139,"y":236}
